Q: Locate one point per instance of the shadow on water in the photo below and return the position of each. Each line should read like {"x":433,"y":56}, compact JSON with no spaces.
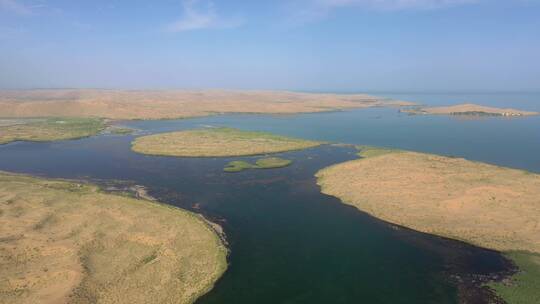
{"x":289,"y":243}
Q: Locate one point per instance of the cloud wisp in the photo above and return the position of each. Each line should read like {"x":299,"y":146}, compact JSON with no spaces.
{"x":200,"y":15}
{"x":312,"y":10}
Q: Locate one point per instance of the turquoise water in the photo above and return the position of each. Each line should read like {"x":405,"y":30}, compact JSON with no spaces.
{"x":290,"y":243}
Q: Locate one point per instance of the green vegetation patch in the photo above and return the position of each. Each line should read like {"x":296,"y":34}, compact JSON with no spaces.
{"x":263,"y":163}
{"x":51,"y":129}
{"x":121,"y":130}
{"x":272,"y":162}
{"x":523,"y":287}
{"x":237,"y":166}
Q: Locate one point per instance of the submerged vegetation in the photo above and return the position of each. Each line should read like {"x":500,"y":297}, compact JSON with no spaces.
{"x":120,"y":130}
{"x":217,"y":142}
{"x":485,"y":205}
{"x":263,"y":163}
{"x":66,"y":242}
{"x":50,"y":129}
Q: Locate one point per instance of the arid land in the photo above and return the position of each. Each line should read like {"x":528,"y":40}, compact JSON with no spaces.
{"x":217,"y":142}
{"x":67,"y":242}
{"x":469,"y":110}
{"x":171,"y":104}
{"x":482,"y":204}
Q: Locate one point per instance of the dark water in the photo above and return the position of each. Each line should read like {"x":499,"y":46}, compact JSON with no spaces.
{"x":290,"y":243}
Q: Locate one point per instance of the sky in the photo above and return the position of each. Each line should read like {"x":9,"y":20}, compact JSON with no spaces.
{"x":309,"y":45}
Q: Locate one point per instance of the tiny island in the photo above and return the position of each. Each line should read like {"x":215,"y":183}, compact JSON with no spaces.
{"x":468,"y":109}
{"x":263,"y":163}
{"x":485,"y":205}
{"x":218,"y":142}
{"x":63,"y":241}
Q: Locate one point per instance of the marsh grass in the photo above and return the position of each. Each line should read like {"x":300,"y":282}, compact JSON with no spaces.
{"x":263,"y":163}
{"x":523,"y":287}
{"x":237,"y":166}
{"x":51,"y":129}
{"x":272,"y":162}
{"x":120,"y":130}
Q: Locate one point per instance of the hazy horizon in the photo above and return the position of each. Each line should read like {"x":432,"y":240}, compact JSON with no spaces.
{"x":300,"y":45}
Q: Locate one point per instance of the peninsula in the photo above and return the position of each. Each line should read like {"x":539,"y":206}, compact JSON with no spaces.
{"x":68,"y":242}
{"x":470,"y":110}
{"x":49,"y":129}
{"x":217,"y":142}
{"x":485,"y":205}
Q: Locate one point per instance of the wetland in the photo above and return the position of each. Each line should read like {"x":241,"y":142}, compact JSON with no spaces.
{"x":290,"y":243}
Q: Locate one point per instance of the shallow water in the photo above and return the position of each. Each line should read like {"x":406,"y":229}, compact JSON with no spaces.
{"x":290,"y":243}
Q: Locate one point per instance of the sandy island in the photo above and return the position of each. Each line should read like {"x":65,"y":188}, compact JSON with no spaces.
{"x":217,"y":142}
{"x":470,"y":110}
{"x":66,"y":242}
{"x":170,"y":104}
{"x":486,"y":205}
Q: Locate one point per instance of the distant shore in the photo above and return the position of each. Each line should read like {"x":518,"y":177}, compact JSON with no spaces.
{"x":469,"y":110}
{"x":174,"y":104}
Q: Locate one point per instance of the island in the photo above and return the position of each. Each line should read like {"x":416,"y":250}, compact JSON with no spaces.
{"x":469,"y":110}
{"x":482,"y":204}
{"x":263,"y":163}
{"x":69,"y":242}
{"x":217,"y":142}
{"x":173,"y":104}
{"x":49,"y":129}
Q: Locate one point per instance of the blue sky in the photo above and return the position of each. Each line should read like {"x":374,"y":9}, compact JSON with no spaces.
{"x":321,"y":45}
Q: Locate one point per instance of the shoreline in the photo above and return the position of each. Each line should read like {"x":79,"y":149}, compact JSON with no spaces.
{"x":471,"y":285}
{"x":142,"y":192}
{"x":489,"y":282}
{"x":90,"y":194}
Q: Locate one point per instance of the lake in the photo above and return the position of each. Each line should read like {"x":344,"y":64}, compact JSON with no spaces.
{"x":290,"y":243}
